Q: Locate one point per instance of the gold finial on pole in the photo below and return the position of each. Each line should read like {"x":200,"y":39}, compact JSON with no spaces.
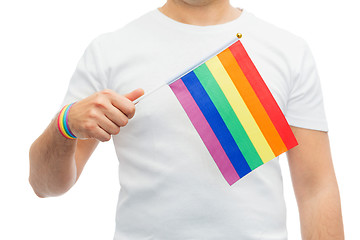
{"x":239,"y":35}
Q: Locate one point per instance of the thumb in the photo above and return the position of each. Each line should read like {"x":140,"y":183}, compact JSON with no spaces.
{"x":134,"y":94}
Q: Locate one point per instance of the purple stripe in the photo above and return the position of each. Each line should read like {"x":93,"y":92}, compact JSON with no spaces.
{"x":206,"y":133}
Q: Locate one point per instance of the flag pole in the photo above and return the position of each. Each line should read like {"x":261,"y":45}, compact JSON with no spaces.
{"x":238,"y":36}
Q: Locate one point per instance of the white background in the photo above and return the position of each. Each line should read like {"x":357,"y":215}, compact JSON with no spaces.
{"x":40,"y":44}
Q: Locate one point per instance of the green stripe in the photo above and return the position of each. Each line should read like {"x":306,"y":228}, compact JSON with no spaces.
{"x":232,"y":122}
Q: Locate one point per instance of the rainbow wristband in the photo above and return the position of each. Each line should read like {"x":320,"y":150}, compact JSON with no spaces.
{"x":62,"y":122}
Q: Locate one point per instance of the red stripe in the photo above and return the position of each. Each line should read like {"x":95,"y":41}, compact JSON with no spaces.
{"x":264,"y":94}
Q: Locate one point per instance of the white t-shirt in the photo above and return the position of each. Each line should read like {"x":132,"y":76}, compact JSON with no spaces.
{"x":171,"y":187}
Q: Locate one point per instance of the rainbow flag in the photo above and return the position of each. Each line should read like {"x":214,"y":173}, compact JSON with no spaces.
{"x":234,"y":112}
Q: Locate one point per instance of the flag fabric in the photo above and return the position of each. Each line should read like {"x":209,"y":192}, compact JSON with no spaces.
{"x":234,"y":112}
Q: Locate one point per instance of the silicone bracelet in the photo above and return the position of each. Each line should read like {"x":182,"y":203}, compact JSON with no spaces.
{"x":62,"y":122}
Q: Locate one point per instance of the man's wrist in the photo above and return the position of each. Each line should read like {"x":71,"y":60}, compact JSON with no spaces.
{"x":62,"y":122}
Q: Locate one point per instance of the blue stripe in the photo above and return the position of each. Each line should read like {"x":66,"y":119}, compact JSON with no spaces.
{"x":215,"y":121}
{"x":65,"y":122}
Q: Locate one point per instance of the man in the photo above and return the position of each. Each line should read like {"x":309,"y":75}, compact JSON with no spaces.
{"x":170,"y":186}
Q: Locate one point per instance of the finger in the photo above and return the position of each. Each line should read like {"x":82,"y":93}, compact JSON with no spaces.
{"x":116,"y":116}
{"x":108,"y":126}
{"x":101,"y":135}
{"x":124,"y":105}
{"x":134,"y":94}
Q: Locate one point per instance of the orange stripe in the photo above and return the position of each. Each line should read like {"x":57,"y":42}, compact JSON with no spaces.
{"x":253,"y":103}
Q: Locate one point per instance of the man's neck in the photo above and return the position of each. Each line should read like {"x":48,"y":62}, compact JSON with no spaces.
{"x":200,"y":12}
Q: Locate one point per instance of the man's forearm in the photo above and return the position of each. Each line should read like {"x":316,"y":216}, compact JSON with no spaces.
{"x":320,"y":215}
{"x":52,"y":163}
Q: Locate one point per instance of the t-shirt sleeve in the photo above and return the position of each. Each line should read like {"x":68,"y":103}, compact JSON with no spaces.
{"x":305,"y":106}
{"x":89,"y":75}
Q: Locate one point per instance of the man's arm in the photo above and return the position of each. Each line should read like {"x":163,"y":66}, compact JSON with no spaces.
{"x":57,"y":162}
{"x":315,"y":186}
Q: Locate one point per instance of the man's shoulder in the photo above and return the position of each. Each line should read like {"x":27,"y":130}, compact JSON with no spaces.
{"x":274,"y":35}
{"x":135,"y":28}
{"x":269,"y":39}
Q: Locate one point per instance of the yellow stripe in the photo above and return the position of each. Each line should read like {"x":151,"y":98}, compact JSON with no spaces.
{"x":241,"y":110}
{"x":61,"y":120}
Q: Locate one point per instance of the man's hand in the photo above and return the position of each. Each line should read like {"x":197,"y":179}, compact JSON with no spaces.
{"x":56,"y":162}
{"x":102,"y":114}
